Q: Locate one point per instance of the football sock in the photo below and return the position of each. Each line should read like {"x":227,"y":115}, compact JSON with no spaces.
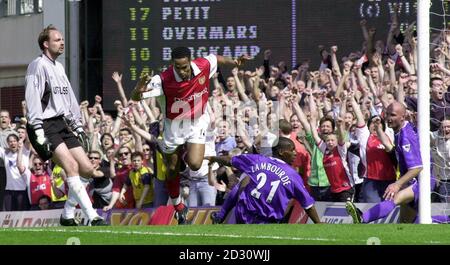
{"x":378,"y":211}
{"x":173,"y":187}
{"x":441,"y":219}
{"x":180,"y":206}
{"x":80,"y":195}
{"x":69,"y":206}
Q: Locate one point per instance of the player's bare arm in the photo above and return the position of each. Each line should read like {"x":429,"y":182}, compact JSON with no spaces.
{"x":233,"y":62}
{"x":141,"y":87}
{"x":221,"y":160}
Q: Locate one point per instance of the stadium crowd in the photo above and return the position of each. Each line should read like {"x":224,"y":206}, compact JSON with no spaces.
{"x":333,"y":114}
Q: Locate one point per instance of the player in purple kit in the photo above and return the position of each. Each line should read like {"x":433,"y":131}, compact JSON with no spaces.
{"x":404,"y":191}
{"x":266,"y":187}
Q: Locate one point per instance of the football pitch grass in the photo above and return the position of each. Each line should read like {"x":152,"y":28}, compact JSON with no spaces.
{"x":277,"y":234}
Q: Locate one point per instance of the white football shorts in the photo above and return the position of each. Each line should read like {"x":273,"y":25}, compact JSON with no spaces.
{"x":178,"y":132}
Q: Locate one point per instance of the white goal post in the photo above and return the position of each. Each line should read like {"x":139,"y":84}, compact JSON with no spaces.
{"x":423,"y":111}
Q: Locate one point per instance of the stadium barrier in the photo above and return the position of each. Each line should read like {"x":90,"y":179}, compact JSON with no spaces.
{"x":335,"y":212}
{"x":329,"y":212}
{"x":163,"y":215}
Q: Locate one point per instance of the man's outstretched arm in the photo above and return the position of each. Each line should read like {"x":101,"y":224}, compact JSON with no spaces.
{"x":148,"y":86}
{"x":231,"y":200}
{"x":233,"y":62}
{"x":221,"y":160}
{"x":312,"y":213}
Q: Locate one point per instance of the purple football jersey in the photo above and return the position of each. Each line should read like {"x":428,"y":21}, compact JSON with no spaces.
{"x":407,"y":149}
{"x":272,"y":184}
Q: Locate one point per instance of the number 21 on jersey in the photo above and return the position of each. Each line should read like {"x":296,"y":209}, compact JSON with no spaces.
{"x":262,"y":178}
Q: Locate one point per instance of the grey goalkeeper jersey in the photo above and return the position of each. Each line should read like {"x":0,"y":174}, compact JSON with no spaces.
{"x":48,"y":93}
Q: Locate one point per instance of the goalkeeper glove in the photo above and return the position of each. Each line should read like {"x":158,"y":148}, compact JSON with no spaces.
{"x":40,"y":136}
{"x":83,"y":139}
{"x":41,"y":144}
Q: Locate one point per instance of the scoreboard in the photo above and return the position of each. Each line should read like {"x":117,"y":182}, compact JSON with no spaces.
{"x":138,"y":35}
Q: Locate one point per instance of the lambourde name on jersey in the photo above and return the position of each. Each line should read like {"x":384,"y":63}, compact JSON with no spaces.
{"x":274,"y":169}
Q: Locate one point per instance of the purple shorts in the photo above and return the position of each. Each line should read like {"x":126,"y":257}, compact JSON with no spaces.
{"x":415,"y":187}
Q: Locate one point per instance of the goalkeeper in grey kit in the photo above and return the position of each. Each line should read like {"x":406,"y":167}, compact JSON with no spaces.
{"x":54,"y":124}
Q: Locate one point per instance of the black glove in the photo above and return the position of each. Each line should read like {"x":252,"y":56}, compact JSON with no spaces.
{"x":83,"y":139}
{"x":40,"y":143}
